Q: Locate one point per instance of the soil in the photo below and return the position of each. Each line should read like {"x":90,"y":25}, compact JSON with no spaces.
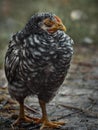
{"x":76,"y":102}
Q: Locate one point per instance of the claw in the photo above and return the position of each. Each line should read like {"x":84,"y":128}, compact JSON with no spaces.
{"x":21,"y":120}
{"x":50,"y":124}
{"x":44,"y":120}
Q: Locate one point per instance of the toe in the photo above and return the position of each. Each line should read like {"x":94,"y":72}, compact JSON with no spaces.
{"x":38,"y":120}
{"x":48,"y":124}
{"x":21,"y":120}
{"x":28,"y":119}
{"x":35,"y":119}
{"x":58,"y":123}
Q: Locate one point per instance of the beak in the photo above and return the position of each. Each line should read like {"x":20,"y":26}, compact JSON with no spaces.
{"x":60,"y":26}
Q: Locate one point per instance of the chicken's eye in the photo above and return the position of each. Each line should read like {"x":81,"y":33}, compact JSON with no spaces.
{"x":48,"y":25}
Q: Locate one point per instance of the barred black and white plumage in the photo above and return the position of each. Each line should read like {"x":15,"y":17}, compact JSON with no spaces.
{"x":37,"y":61}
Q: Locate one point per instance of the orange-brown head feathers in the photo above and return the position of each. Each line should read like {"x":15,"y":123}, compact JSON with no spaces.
{"x":52,"y":25}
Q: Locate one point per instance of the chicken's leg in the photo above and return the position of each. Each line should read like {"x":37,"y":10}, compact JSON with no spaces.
{"x":44,"y":120}
{"x":22,"y":117}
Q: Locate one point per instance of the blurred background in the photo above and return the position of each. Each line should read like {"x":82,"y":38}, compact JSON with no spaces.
{"x":79,"y":16}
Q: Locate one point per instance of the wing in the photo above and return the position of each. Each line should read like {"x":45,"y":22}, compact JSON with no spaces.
{"x":11,"y":60}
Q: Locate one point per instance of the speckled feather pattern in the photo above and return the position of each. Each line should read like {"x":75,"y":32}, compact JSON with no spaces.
{"x":37,"y":63}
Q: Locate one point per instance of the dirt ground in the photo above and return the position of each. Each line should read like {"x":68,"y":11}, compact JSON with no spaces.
{"x":76,"y":102}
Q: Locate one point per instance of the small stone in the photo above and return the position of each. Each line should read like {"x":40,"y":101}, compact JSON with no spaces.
{"x":14,"y":116}
{"x":87,"y":40}
{"x":78,"y":15}
{"x":3,"y":81}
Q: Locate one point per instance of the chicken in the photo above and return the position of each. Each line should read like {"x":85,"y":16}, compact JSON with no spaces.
{"x":36,"y":63}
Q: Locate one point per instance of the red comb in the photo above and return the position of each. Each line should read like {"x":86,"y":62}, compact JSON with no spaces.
{"x":58,"y":19}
